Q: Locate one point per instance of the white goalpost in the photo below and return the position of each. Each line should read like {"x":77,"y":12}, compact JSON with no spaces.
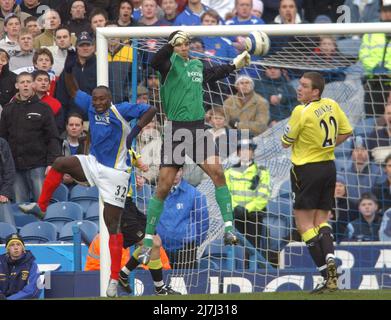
{"x":271,"y":155}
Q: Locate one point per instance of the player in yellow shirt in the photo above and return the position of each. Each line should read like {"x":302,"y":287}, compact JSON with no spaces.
{"x":315,"y":128}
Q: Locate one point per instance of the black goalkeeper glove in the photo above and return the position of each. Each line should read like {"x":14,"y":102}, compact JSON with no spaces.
{"x":254,"y":182}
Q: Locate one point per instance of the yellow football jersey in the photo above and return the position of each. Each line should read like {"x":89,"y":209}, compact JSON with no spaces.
{"x":312,"y":131}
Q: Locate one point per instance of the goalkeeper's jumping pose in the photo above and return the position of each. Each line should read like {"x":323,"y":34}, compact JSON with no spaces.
{"x":182,"y":98}
{"x":315,"y":128}
{"x":105,"y":166}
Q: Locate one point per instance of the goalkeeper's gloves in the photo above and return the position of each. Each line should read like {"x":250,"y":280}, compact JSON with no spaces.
{"x":178,"y":38}
{"x":254,"y":182}
{"x":242,"y":60}
{"x":70,"y":61}
{"x":133,"y":133}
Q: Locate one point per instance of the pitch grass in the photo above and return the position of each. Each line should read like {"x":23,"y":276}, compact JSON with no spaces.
{"x":289,"y":295}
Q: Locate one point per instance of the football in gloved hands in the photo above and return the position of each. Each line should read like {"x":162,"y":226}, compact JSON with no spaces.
{"x":257,"y":43}
{"x":178,"y":37}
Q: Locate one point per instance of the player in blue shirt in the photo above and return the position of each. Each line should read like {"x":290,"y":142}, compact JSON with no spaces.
{"x":105,"y":166}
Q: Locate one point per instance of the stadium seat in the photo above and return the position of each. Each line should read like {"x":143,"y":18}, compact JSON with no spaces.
{"x":92,"y":213}
{"x":60,"y":213}
{"x":285,"y":189}
{"x":39,"y":232}
{"x":61,"y":194}
{"x":86,"y":193}
{"x":21,"y":219}
{"x":88,"y":230}
{"x":84,"y":196}
{"x":6,"y":213}
{"x":5,"y":230}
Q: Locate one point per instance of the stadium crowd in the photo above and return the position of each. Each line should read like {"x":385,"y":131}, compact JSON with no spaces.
{"x":40,"y":121}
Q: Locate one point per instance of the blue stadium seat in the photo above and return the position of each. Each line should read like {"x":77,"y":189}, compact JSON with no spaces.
{"x":285,"y":189}
{"x":21,"y":219}
{"x":80,"y":192}
{"x":61,"y":194}
{"x":219,"y":252}
{"x":88,"y":229}
{"x":39,"y":232}
{"x":6,"y":213}
{"x":60,"y":213}
{"x":92,"y":213}
{"x":5,"y":230}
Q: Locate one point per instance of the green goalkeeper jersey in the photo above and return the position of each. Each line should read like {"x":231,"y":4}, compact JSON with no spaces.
{"x":181,"y":93}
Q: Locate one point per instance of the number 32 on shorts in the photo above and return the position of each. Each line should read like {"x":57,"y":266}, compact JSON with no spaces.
{"x":121,"y":191}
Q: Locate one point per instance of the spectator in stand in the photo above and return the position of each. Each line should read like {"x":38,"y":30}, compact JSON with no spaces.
{"x":247,"y":109}
{"x":183,"y":224}
{"x":278,"y":92}
{"x":375,"y":56}
{"x":243,"y":16}
{"x":191,"y":16}
{"x":149,"y":143}
{"x":257,"y":9}
{"x":313,"y":9}
{"x":84,"y":72}
{"x":363,"y":10}
{"x":7,"y":79}
{"x":125,"y":11}
{"x":361,"y":175}
{"x":382,"y":190}
{"x":343,"y":211}
{"x":31,"y":23}
{"x":287,"y":13}
{"x":108,"y":6}
{"x":98,"y":19}
{"x":42,"y":88}
{"x":169,"y":8}
{"x":43,"y":60}
{"x":366,"y":227}
{"x":24,"y":57}
{"x":34,"y":8}
{"x":19,"y":271}
{"x":380,"y":138}
{"x":74,"y":141}
{"x":223,"y":7}
{"x":60,"y":50}
{"x":29,"y":127}
{"x":249,"y":185}
{"x":12,"y":28}
{"x":120,"y":68}
{"x":149,"y":15}
{"x":8,"y":7}
{"x":78,"y":21}
{"x":7,"y":172}
{"x":51,"y":21}
{"x":216,"y":46}
{"x":136,"y":12}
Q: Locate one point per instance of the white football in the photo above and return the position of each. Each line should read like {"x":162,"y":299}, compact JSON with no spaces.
{"x":257,"y":43}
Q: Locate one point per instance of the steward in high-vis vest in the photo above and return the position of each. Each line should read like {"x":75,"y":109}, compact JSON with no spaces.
{"x":375,"y":56}
{"x":249,"y":185}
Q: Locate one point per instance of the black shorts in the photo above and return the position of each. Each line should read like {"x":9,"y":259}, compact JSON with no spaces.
{"x":133,"y":223}
{"x":313,"y":185}
{"x":181,"y":138}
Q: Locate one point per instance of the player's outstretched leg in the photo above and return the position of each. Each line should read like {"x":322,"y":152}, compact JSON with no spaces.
{"x":155,"y":209}
{"x":52,"y":180}
{"x":215,"y":171}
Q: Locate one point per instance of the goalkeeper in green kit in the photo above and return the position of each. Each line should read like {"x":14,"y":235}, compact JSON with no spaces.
{"x":181,"y":94}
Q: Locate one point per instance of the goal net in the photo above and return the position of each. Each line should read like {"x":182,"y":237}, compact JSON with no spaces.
{"x":266,"y":260}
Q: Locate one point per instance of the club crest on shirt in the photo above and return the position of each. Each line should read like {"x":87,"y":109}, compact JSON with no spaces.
{"x":102,"y":119}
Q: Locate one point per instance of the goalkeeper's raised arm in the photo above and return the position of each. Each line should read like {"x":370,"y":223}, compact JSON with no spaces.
{"x":178,"y":43}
